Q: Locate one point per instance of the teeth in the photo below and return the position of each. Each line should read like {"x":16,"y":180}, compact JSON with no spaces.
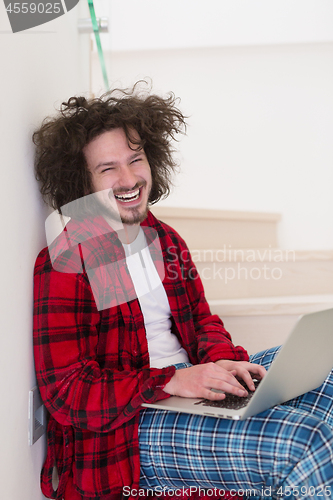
{"x":128,"y":196}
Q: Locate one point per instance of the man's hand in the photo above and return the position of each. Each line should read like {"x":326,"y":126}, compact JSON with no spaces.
{"x":199,"y":380}
{"x":243,"y":370}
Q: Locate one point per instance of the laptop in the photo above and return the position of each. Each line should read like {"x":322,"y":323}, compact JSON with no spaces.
{"x":302,"y":364}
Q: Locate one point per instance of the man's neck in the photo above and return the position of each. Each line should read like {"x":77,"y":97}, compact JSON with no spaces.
{"x":129,"y":232}
{"x":126,"y":232}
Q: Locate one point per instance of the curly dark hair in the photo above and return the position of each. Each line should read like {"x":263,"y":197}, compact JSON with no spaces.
{"x":60,"y":164}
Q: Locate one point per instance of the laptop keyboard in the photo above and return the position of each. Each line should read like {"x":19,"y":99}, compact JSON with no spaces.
{"x":231,"y":401}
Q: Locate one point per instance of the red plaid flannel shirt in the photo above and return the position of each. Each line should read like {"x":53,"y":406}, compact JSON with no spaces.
{"x":93,"y":365}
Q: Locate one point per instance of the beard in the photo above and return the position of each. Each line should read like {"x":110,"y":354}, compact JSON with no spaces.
{"x":114,"y":214}
{"x":92,"y":205}
{"x":135,"y":216}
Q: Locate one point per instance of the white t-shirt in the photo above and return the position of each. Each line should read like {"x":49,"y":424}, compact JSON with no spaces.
{"x":163,"y":346}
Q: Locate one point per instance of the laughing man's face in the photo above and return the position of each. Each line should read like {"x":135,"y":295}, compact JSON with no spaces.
{"x":114,"y":165}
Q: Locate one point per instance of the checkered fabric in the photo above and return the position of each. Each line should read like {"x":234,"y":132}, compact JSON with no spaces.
{"x":284,"y":451}
{"x":92,"y":360}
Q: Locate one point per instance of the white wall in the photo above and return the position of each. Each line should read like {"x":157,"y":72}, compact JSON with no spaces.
{"x":156,"y":24}
{"x":261,"y":128}
{"x":39,"y":69}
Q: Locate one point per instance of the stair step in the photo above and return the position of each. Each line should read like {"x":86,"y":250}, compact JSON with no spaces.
{"x":234,"y":273}
{"x":205,"y":228}
{"x":301,"y":304}
{"x":264,"y":322}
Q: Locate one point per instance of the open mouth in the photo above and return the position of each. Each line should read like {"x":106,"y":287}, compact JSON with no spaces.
{"x":129,"y":196}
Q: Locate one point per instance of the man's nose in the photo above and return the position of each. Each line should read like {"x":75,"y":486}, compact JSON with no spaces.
{"x":127,"y":178}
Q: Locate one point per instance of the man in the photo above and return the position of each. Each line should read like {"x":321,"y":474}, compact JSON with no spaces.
{"x":115,"y":326}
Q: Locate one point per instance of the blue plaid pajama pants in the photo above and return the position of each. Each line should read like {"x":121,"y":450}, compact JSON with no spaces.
{"x":286,"y":451}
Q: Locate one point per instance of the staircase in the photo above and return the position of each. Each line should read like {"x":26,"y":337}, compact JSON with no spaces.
{"x":257,"y":289}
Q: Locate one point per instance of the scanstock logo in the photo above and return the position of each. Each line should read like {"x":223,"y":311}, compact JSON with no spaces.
{"x":27,"y":14}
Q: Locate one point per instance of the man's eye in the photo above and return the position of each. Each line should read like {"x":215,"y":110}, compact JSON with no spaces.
{"x":136,"y":160}
{"x":106,"y":169}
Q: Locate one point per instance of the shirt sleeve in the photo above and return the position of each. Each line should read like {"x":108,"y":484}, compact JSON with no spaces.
{"x":213,"y":340}
{"x":75,"y":388}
